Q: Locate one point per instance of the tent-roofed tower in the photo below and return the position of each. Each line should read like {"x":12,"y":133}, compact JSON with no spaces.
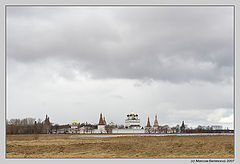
{"x":155,"y":122}
{"x":148,"y":123}
{"x":148,"y":127}
{"x":101,"y":122}
{"x":101,"y":125}
{"x":46,"y":125}
{"x":104,"y":121}
{"x":182,"y":128}
{"x":155,"y":125}
{"x":47,"y":120}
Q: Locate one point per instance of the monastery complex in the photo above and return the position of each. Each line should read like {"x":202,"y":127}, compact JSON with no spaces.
{"x":132,"y":125}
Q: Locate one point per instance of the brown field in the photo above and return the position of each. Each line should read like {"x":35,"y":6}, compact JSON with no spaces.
{"x":61,"y":146}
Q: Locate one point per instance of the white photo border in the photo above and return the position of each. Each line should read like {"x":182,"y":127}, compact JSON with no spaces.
{"x":5,"y":3}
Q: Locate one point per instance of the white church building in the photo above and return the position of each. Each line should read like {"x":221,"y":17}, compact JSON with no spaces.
{"x":132,"y":121}
{"x":132,"y":125}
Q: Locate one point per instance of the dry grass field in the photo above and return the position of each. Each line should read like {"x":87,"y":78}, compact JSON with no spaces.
{"x":61,"y":146}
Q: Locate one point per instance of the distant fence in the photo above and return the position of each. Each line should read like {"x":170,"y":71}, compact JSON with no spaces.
{"x":128,"y":131}
{"x":208,"y":131}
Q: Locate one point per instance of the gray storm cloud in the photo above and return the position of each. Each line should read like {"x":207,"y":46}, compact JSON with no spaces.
{"x":177,"y":44}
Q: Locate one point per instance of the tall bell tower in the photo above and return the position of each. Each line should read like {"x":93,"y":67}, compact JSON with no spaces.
{"x":155,"y":125}
{"x":101,"y":124}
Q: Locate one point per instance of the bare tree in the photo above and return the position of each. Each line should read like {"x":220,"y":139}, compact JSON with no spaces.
{"x":24,"y":126}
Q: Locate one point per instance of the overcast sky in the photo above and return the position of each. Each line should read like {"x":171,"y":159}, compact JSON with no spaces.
{"x":73,"y":63}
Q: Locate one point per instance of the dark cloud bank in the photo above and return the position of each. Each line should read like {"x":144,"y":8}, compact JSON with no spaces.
{"x":176,"y":44}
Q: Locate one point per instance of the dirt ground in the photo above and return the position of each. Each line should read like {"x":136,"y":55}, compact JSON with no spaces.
{"x":62,"y":146}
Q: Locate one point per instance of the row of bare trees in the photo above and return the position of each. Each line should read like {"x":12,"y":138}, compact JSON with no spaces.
{"x":25,"y":126}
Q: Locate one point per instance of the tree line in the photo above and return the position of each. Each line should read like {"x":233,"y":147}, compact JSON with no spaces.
{"x":26,"y":126}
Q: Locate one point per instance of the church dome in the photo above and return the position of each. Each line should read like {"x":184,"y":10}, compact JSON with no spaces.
{"x":74,"y":123}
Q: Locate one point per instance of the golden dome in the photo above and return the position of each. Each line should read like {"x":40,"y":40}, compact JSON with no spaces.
{"x":74,"y":123}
